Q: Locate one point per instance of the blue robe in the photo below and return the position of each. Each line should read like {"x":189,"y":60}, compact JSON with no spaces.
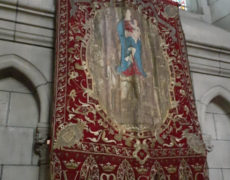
{"x":126,"y":43}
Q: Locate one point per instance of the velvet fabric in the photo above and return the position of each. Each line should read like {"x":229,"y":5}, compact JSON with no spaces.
{"x":124,"y":106}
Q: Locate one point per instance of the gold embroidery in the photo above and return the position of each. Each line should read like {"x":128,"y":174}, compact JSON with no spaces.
{"x":185,"y":172}
{"x":108,"y":167}
{"x":158,"y":171}
{"x":197,"y":167}
{"x":125,"y":171}
{"x":70,"y":135}
{"x":71,"y":164}
{"x":142,"y":169}
{"x":89,"y":169}
{"x":171,"y":169}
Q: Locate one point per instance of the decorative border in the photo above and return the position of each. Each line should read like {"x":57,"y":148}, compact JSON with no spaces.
{"x":178,"y":137}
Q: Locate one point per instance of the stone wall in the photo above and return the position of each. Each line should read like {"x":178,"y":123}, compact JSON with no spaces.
{"x":220,"y":13}
{"x":209,"y":58}
{"x":217,"y":120}
{"x":28,"y":21}
{"x":27,"y":33}
{"x":18,"y":122}
{"x":26,"y":82}
{"x":20,"y":110}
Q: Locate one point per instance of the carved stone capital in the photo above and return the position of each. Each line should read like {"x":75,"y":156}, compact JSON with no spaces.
{"x":43,"y":132}
{"x":43,"y":151}
{"x":41,"y":146}
{"x":207,"y":140}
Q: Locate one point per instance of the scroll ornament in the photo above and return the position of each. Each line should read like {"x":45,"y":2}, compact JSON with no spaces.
{"x":124,"y":106}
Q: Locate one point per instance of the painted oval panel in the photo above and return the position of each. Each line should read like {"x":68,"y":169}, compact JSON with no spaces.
{"x":131,"y":76}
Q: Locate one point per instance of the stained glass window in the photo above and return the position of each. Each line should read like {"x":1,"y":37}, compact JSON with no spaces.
{"x":182,"y":3}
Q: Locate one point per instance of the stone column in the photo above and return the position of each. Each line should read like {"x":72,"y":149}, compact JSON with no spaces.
{"x":42,"y":148}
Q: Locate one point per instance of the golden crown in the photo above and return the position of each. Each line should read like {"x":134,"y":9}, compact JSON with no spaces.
{"x":197,"y":167}
{"x":71,"y":164}
{"x":108,"y":167}
{"x":171,"y":169}
{"x":142,"y":169}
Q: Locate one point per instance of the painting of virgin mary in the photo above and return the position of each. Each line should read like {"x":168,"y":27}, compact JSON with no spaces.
{"x":129,"y":35}
{"x":130,"y":74}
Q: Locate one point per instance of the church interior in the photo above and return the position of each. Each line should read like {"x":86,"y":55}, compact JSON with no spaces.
{"x":27,"y":66}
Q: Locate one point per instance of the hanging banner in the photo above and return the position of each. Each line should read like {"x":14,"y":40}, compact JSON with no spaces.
{"x":124,"y":106}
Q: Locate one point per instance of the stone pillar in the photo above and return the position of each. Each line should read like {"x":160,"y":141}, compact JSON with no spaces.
{"x":42,"y":148}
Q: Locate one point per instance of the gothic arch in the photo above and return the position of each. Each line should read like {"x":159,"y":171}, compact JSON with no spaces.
{"x":125,"y":171}
{"x":185,"y":171}
{"x":157,"y":170}
{"x":206,"y":99}
{"x":89,"y":169}
{"x":35,"y":77}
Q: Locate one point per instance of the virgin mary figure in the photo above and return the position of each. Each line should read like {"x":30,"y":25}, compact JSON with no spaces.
{"x":129,"y":35}
{"x":120,"y":84}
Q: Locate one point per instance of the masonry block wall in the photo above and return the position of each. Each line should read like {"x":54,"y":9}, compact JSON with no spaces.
{"x":220,"y":13}
{"x":26,"y":66}
{"x":27,"y":31}
{"x":19,"y":112}
{"x":217,"y":120}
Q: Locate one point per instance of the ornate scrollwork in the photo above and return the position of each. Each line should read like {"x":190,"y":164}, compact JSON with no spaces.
{"x":185,"y":172}
{"x":56,"y":169}
{"x":88,"y":117}
{"x":89,"y":169}
{"x":158,"y":171}
{"x":125,"y":171}
{"x":70,"y":135}
{"x":206,"y":173}
{"x":141,"y":152}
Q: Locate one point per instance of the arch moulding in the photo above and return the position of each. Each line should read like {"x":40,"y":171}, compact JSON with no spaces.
{"x":35,"y":76}
{"x":206,"y":99}
{"x":40,"y":84}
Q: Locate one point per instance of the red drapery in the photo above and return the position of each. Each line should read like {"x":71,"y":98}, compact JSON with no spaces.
{"x":86,"y":144}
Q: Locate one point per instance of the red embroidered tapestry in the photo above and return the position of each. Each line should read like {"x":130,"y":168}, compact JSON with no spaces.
{"x":124,"y":106}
